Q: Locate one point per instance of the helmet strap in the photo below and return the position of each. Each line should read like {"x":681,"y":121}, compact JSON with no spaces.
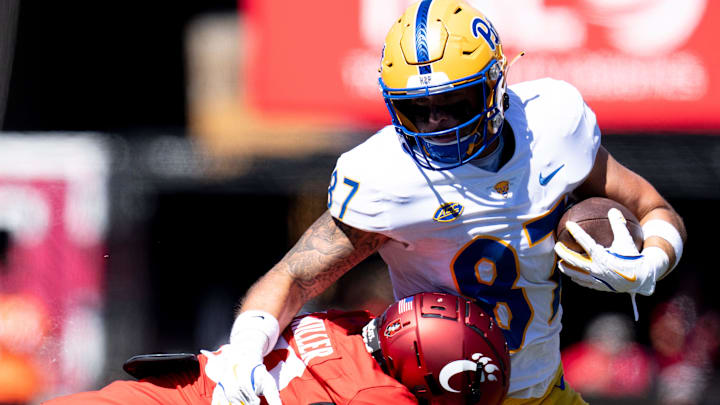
{"x":515,"y":59}
{"x":476,"y":387}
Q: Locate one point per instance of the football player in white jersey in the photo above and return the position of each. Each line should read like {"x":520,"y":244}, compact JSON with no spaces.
{"x":461,"y":194}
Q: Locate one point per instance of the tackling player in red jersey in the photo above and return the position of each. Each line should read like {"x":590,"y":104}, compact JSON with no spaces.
{"x":430,"y":348}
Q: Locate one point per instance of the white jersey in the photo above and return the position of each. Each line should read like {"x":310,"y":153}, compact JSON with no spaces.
{"x":481,"y":234}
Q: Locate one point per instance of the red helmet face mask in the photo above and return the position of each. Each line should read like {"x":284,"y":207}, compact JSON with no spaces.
{"x":445,"y":349}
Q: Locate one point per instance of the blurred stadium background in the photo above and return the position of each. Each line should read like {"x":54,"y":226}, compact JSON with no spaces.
{"x":156,"y":159}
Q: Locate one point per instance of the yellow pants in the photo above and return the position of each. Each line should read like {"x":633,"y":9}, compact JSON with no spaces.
{"x":559,"y":393}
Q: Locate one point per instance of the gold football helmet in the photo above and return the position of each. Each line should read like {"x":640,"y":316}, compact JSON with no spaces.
{"x":443,"y":80}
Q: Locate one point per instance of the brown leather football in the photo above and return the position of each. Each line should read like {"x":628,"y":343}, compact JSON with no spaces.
{"x":591,"y":215}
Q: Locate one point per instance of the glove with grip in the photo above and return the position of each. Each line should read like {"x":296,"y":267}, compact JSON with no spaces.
{"x":619,"y":268}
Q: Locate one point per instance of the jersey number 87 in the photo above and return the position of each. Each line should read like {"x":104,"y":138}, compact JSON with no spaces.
{"x":354,"y":185}
{"x":501,"y":291}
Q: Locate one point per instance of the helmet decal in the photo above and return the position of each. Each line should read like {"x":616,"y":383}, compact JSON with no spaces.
{"x":487,"y":32}
{"x":392,"y":328}
{"x":405,"y":305}
{"x":421,"y":47}
{"x":481,"y":364}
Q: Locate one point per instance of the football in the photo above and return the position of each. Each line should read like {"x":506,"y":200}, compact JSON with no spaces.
{"x":591,"y":215}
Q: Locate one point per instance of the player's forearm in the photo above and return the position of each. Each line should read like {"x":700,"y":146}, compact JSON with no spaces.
{"x":655,"y":221}
{"x":667,"y":214}
{"x":651,"y":208}
{"x":273,"y":293}
{"x":662,"y":226}
{"x":283,"y":291}
{"x":323,"y":254}
{"x":611,"y":179}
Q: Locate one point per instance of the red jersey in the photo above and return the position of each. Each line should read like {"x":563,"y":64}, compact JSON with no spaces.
{"x":327,"y":361}
{"x":319,"y":359}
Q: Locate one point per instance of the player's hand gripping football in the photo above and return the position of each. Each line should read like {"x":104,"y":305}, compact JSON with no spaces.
{"x":619,"y":268}
{"x":244,"y":377}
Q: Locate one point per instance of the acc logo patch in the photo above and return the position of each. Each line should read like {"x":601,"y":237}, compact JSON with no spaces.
{"x":448,"y":212}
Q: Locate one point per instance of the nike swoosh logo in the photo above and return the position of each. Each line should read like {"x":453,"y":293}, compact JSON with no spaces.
{"x":630,"y":279}
{"x":545,"y":180}
{"x":562,"y":383}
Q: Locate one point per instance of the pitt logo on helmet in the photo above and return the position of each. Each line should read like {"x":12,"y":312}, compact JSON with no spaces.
{"x":449,"y":211}
{"x":487,"y":31}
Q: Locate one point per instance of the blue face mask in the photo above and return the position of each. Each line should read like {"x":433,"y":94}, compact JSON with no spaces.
{"x":470,"y":125}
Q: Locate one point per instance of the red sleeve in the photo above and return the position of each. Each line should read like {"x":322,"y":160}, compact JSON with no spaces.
{"x":384,"y":395}
{"x":338,"y":367}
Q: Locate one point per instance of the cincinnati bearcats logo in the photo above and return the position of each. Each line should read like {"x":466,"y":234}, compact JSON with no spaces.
{"x":480,"y":364}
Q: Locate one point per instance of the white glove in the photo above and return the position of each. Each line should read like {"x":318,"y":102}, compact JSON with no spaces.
{"x":244,"y":376}
{"x":619,"y":268}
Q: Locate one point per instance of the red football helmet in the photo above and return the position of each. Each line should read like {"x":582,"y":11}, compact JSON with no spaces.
{"x":445,"y":349}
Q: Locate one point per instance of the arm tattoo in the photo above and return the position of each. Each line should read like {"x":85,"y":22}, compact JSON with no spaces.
{"x":325,"y":252}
